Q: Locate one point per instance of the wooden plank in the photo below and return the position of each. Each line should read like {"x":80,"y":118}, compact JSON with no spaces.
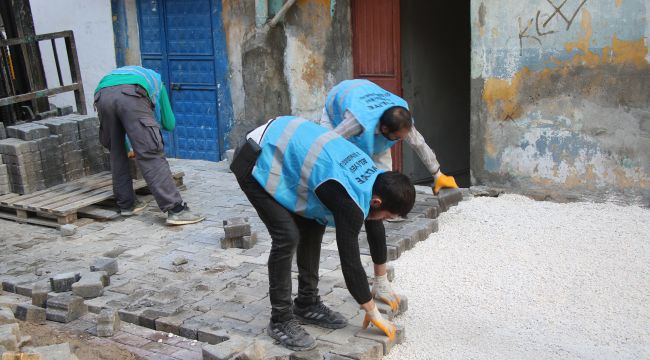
{"x":66,"y":209}
{"x":32,"y":200}
{"x":57,"y":188}
{"x":8,"y":197}
{"x":53,"y":206}
{"x":54,"y":201}
{"x":39,"y":94}
{"x":67,"y":219}
{"x":30,"y":220}
{"x":98,"y":213}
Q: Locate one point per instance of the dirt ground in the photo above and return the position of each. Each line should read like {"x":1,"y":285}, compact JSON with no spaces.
{"x":83,"y":345}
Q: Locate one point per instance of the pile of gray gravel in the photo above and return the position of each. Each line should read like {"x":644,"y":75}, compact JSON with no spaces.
{"x":514,"y":278}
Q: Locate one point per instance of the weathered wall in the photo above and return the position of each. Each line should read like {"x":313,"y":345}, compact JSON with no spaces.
{"x":286,"y":69}
{"x":561,"y":97}
{"x":93,"y":34}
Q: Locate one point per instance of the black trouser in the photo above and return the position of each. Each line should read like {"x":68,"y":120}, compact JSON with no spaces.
{"x":290,"y":234}
{"x":126,"y":109}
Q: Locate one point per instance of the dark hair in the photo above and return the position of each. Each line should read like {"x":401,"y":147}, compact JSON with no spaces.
{"x":396,"y":192}
{"x":396,"y":118}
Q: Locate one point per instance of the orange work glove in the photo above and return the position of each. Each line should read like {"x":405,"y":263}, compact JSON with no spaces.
{"x":382,"y":291}
{"x":443,"y":181}
{"x":131,"y":154}
{"x":384,"y":325}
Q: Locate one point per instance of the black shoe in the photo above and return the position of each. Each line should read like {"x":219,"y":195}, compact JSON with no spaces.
{"x":291,"y":335}
{"x":319,"y":314}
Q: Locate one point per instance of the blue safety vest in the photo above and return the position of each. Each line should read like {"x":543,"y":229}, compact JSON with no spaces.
{"x":297,"y":156}
{"x":367,"y":101}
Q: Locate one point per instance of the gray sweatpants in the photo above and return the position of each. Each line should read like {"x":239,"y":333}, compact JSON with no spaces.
{"x":127,"y":109}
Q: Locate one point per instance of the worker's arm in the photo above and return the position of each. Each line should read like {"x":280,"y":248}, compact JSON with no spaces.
{"x":348,"y":218}
{"x":166,"y":114}
{"x":381,"y":287}
{"x":349,"y":127}
{"x":428,"y":157}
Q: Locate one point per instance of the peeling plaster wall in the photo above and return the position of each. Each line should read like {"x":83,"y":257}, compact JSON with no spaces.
{"x":561,"y":98}
{"x":287,"y":69}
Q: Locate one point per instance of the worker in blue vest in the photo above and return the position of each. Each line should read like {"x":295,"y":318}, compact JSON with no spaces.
{"x":133,"y":101}
{"x":300,"y":179}
{"x":375,"y":119}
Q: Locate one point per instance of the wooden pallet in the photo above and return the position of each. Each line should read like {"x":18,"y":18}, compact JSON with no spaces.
{"x":65,"y":203}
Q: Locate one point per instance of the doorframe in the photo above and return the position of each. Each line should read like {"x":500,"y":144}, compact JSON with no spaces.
{"x":224,"y":114}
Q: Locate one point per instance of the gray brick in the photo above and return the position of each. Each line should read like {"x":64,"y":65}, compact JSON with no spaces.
{"x":108,"y":322}
{"x":12,"y":146}
{"x":225,"y":350}
{"x":10,"y":336}
{"x":212,"y":335}
{"x":449,"y":197}
{"x":374,"y":334}
{"x":63,"y":282}
{"x":106,"y":264}
{"x":65,"y":308}
{"x":91,"y":284}
{"x":39,"y":295}
{"x":28,"y":131}
{"x":30,"y":313}
{"x":172,"y":323}
{"x":6,"y":316}
{"x":237,"y":230}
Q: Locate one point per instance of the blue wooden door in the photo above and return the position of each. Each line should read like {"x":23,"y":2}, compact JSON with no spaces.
{"x":183,"y":40}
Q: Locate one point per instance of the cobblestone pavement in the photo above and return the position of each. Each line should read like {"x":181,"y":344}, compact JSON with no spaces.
{"x":219,"y":297}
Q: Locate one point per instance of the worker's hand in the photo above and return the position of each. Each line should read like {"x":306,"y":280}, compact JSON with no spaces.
{"x":443,"y":181}
{"x":384,"y":325}
{"x":131,"y":154}
{"x":382,"y":291}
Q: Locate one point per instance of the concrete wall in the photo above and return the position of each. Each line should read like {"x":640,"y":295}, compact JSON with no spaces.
{"x":561,"y":98}
{"x":287,"y":69}
{"x":90,"y":20}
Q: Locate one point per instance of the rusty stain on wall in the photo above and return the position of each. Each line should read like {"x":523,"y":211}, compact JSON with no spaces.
{"x":579,"y":123}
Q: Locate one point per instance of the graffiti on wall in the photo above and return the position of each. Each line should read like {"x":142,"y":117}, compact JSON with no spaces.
{"x":538,"y":26}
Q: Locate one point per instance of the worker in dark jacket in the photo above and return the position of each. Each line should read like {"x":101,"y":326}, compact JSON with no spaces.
{"x":300,"y":179}
{"x":133,"y":101}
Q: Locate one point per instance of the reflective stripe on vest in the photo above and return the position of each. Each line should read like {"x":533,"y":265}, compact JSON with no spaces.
{"x":367,"y":101}
{"x":298,"y":156}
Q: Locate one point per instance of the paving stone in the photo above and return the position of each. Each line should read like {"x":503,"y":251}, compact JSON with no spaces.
{"x":53,"y":352}
{"x":6,"y":316}
{"x":212,"y":335}
{"x":30,"y":313}
{"x":10,"y":336}
{"x":172,"y":323}
{"x":236,"y":347}
{"x":236,"y":230}
{"x":449,"y":197}
{"x":9,"y":285}
{"x":148,"y":317}
{"x":361,"y":349}
{"x":373,"y":333}
{"x":105,"y":264}
{"x":63,"y":282}
{"x":108,"y":323}
{"x":68,"y":229}
{"x":91,"y":285}
{"x":65,"y":308}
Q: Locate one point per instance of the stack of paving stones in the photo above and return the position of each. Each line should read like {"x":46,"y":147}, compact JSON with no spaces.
{"x":69,"y":146}
{"x":238,"y":234}
{"x":51,"y":160}
{"x":3,"y":131}
{"x":5,"y":184}
{"x":23,"y":160}
{"x":95,"y":158}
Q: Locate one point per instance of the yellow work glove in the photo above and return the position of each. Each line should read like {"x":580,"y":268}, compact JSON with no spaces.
{"x":130,"y":154}
{"x":382,"y":291}
{"x":443,"y":181}
{"x":384,"y":325}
